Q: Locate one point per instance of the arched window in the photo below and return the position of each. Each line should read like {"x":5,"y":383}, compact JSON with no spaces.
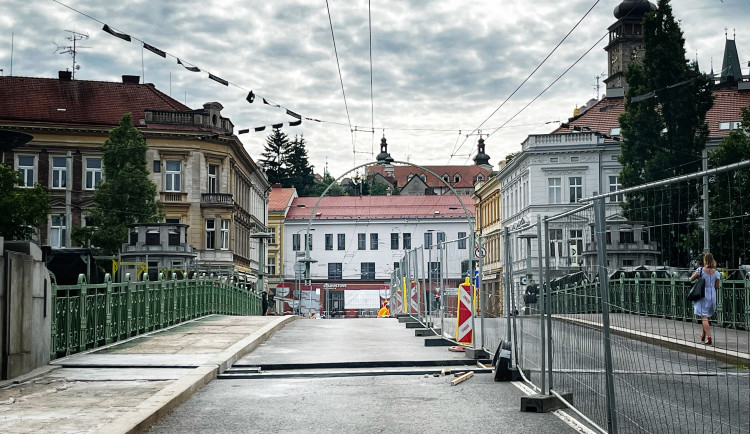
{"x":456,"y":178}
{"x":446,"y":178}
{"x":424,"y":178}
{"x":480,"y":177}
{"x":411,"y":175}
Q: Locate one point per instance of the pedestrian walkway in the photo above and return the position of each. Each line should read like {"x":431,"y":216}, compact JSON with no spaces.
{"x":126,"y":386}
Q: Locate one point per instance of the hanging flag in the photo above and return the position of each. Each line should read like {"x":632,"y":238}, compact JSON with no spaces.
{"x":260,"y":128}
{"x":154,"y":50}
{"x":295,"y":123}
{"x":109,"y":30}
{"x":265,"y":101}
{"x":245,"y":131}
{"x":276,"y":126}
{"x":250,"y":97}
{"x":293,"y":114}
{"x":217,"y":79}
{"x":189,"y":68}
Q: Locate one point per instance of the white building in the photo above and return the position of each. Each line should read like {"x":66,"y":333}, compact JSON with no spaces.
{"x":356,"y":242}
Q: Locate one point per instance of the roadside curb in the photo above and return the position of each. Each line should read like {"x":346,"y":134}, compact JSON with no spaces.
{"x":167,"y":399}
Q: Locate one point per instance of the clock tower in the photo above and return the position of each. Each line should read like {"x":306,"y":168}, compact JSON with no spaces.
{"x":625,"y":43}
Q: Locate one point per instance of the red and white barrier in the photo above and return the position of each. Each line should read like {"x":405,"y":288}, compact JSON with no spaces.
{"x":464,"y":331}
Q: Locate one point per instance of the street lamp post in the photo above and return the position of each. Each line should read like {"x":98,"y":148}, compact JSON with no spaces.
{"x":306,"y":260}
{"x":261,"y":237}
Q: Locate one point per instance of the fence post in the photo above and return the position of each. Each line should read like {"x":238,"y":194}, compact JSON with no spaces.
{"x":601,"y":252}
{"x":508,"y":281}
{"x":747,"y":301}
{"x":82,"y":284}
{"x":543,"y":308}
{"x":108,"y":304}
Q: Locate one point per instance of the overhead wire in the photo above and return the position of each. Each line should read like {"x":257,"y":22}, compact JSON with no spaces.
{"x":372,"y":100}
{"x":529,"y":76}
{"x":341,"y":79}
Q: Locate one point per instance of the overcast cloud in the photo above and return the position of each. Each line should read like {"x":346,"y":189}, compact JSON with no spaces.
{"x":437,"y":66}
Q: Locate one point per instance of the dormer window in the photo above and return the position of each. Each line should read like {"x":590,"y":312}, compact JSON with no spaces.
{"x":411,"y":175}
{"x":729,"y":125}
{"x":456,"y":178}
{"x":446,"y":178}
{"x":424,"y":178}
{"x":480,"y":177}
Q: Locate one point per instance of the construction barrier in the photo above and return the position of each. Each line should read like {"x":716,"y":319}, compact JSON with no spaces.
{"x":464,"y":330}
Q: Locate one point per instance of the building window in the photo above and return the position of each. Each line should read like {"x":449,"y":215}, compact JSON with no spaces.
{"x":446,"y":179}
{"x":93,"y":172}
{"x":295,"y":242}
{"x":329,"y":241}
{"x":368,"y":270}
{"x":440,"y":239}
{"x":361,"y":242}
{"x":628,"y":262}
{"x":133,"y":238}
{"x":576,"y":188}
{"x":427,"y":240}
{"x":152,"y":237}
{"x":555,"y":243}
{"x":173,"y":237}
{"x":213,"y":172}
{"x":272,"y":231}
{"x":407,"y":241}
{"x":210,"y":234}
{"x":59,"y":172}
{"x":555,"y":190}
{"x":645,"y":236}
{"x":576,"y":242}
{"x":396,"y":265}
{"x":334,"y":271}
{"x":480,"y":177}
{"x":434,"y":268}
{"x":730,"y":125}
{"x":25,"y":168}
{"x":462,"y":240}
{"x":626,"y":236}
{"x":225,"y":234}
{"x":271,"y":266}
{"x":341,"y":242}
{"x":456,"y":178}
{"x":57,"y":231}
{"x":373,"y":241}
{"x":614,"y":131}
{"x":614,"y":185}
{"x":172,"y":176}
{"x":394,"y":241}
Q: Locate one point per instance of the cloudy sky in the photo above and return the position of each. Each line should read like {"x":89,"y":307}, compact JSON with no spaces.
{"x":439,"y":68}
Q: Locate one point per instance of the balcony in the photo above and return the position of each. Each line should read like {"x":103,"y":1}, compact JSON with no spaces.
{"x":173,"y":197}
{"x":222,"y":200}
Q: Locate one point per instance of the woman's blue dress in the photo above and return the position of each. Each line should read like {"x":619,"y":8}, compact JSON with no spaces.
{"x":706,"y":306}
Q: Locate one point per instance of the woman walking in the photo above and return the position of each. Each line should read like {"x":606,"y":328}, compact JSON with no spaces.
{"x":706,"y":306}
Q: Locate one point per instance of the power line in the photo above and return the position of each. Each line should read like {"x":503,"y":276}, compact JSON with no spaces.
{"x":372,"y":101}
{"x":530,"y":75}
{"x":338,"y":66}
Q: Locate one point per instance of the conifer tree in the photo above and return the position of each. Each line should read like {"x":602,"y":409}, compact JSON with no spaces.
{"x":664,"y":134}
{"x":274,"y":158}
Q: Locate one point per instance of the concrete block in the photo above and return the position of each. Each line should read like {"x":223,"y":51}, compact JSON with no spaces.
{"x":544,"y":403}
{"x":414,"y":325}
{"x":407,"y":319}
{"x":438,"y":342}
{"x":424,"y":332}
{"x":477,"y":354}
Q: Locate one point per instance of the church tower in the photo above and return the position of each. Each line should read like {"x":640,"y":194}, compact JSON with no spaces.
{"x":625,"y":43}
{"x":482,"y":159}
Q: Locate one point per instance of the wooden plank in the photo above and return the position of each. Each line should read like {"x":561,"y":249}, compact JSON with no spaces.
{"x":462,"y":378}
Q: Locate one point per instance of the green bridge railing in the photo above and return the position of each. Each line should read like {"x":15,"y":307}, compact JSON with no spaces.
{"x":89,"y":316}
{"x":655,"y":296}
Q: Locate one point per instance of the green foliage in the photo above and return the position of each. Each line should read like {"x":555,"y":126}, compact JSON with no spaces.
{"x":300,"y":172}
{"x":126,"y":195}
{"x":729,"y":201}
{"x":274,"y":158}
{"x":24,"y":209}
{"x":664,"y":135}
{"x":319,"y":187}
{"x":511,"y":156}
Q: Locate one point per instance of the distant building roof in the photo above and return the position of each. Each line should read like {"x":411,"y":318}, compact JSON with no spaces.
{"x":467,"y":174}
{"x":280,"y":198}
{"x":384,"y":207}
{"x":79,"y":102}
{"x":603,"y":115}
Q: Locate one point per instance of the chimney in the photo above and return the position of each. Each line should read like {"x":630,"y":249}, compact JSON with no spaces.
{"x":65,"y":75}
{"x":131,"y":79}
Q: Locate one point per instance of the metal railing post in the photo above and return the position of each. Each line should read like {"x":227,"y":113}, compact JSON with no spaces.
{"x":542,"y":305}
{"x":601,"y":252}
{"x":546,"y":287}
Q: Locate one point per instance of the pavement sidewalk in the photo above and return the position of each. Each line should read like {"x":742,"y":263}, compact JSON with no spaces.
{"x":126,"y":386}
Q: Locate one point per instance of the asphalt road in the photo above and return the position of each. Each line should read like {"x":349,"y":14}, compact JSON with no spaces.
{"x":347,"y":403}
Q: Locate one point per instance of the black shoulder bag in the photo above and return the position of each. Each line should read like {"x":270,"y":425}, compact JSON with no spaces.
{"x":698,"y":291}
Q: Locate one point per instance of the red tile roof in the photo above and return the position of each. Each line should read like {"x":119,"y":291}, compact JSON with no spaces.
{"x":279,"y":198}
{"x":78,"y":102}
{"x":603,"y":115}
{"x":467,"y":173}
{"x":353,"y":207}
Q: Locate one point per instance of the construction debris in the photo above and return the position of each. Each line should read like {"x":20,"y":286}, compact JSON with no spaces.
{"x":462,"y":378}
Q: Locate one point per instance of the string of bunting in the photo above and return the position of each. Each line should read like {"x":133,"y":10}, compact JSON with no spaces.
{"x":192,"y":68}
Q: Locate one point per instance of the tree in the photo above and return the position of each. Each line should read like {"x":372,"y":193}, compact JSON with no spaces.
{"x":300,"y":172}
{"x":321,"y":185}
{"x":126,"y":195}
{"x":729,"y":201}
{"x":665,"y":134}
{"x":24,"y":209}
{"x":275,"y":155}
